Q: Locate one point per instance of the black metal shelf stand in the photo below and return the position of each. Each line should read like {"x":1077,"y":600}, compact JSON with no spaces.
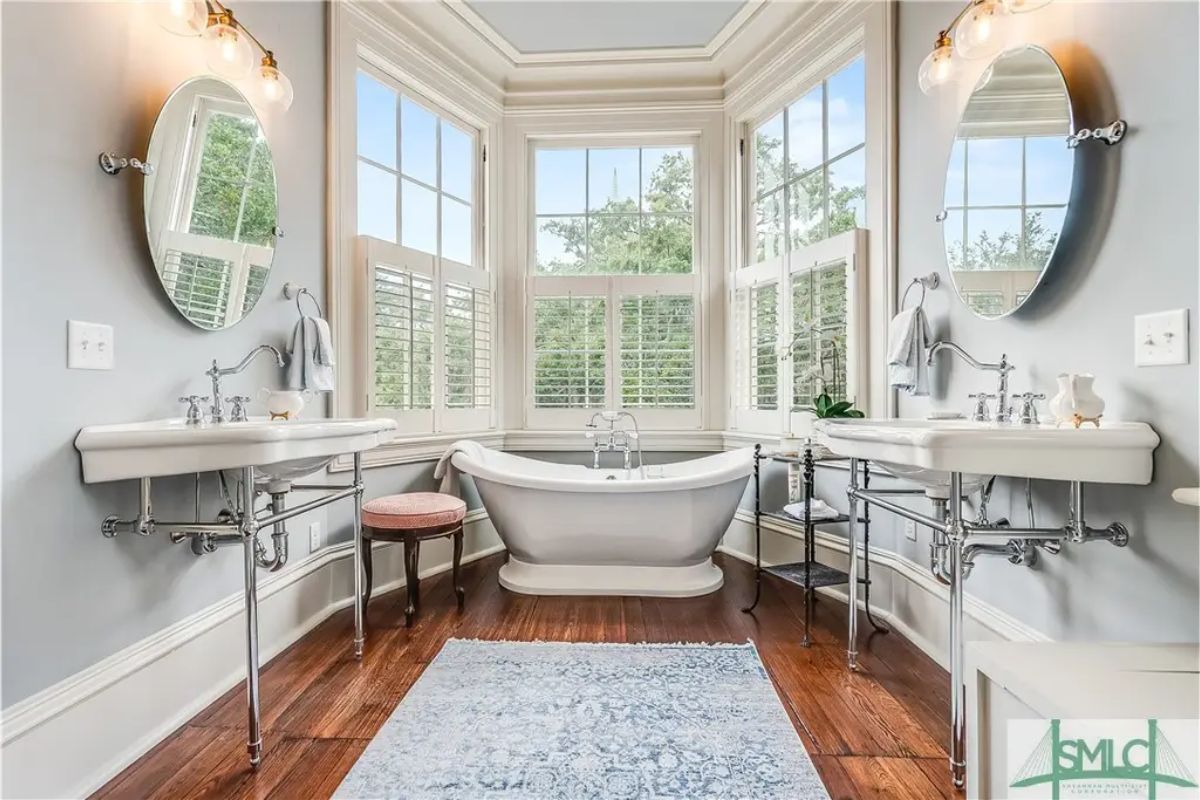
{"x":808,"y":574}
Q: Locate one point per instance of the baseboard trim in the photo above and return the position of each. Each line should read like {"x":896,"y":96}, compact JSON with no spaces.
{"x":179,"y":663}
{"x":927,"y":632}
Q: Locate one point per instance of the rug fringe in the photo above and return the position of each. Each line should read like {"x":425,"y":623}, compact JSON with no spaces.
{"x":748,"y":644}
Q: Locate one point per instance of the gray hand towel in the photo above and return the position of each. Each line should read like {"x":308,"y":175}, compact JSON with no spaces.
{"x":908,"y":339}
{"x":311,"y":363}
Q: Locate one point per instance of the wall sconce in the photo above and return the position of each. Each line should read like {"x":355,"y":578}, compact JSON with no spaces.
{"x":229,"y":46}
{"x":973,"y":33}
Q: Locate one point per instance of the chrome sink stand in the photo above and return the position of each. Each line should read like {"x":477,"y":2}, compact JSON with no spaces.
{"x":242,"y":528}
{"x":963,"y":541}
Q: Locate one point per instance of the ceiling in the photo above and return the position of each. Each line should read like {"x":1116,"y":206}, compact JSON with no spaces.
{"x":565,"y":26}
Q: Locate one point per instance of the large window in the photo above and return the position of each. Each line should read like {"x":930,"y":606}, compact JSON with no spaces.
{"x":428,"y":296}
{"x":613,"y":284}
{"x":809,"y":166}
{"x":795,"y":315}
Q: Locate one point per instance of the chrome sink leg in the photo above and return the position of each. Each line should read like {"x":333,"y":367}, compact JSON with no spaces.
{"x":358,"y":557}
{"x":250,"y":564}
{"x":852,"y":588}
{"x":958,"y":709}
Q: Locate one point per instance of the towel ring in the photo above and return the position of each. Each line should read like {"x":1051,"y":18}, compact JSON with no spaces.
{"x":926,"y":282}
{"x":291,"y":290}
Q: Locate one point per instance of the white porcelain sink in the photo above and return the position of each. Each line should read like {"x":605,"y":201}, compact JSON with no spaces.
{"x":927,"y":450}
{"x":279,"y":449}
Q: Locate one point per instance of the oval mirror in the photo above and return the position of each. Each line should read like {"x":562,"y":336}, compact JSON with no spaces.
{"x":1008,"y":184}
{"x":210,"y":204}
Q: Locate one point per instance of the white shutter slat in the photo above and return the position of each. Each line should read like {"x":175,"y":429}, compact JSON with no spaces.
{"x":658,"y":351}
{"x":467,"y":348}
{"x":569,"y":352}
{"x":403,"y":336}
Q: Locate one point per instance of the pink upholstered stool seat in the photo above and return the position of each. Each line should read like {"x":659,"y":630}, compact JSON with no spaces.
{"x":413,"y":510}
{"x":411,"y":518}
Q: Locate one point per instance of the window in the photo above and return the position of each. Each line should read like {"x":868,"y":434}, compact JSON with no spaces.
{"x":612,"y":284}
{"x":809,"y":166}
{"x":796,"y":318}
{"x":429,"y":298}
{"x":1006,"y":198}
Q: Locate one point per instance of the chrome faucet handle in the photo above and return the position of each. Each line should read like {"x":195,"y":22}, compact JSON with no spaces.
{"x":195,"y":414}
{"x":982,"y":413}
{"x":238,"y":413}
{"x":1029,"y":413}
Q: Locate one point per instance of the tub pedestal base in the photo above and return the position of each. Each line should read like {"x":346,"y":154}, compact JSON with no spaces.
{"x":575,"y":579}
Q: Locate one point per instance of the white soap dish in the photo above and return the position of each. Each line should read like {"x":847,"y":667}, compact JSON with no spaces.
{"x":945,"y":413}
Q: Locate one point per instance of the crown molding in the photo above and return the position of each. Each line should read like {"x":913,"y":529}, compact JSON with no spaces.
{"x":518,"y":59}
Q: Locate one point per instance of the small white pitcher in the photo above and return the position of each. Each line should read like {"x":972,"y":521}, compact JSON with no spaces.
{"x":285,"y":404}
{"x":1076,"y":401}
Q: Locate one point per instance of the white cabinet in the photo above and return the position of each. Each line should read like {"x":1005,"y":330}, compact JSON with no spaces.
{"x":1009,"y":681}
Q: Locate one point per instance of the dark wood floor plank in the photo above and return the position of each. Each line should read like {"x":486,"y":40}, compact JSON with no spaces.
{"x":877,"y":733}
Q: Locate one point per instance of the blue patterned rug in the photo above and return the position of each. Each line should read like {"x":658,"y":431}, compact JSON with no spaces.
{"x":550,"y":720}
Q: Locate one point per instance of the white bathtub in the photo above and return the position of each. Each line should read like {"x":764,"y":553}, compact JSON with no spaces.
{"x":571,"y":530}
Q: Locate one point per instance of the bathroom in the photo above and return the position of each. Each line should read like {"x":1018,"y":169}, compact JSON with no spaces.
{"x":124,"y":659}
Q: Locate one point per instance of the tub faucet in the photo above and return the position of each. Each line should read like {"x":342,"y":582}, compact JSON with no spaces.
{"x":1002,"y":367}
{"x":215,"y":373}
{"x":611,"y":417}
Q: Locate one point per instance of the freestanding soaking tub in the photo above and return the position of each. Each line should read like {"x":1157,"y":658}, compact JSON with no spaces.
{"x":571,"y":530}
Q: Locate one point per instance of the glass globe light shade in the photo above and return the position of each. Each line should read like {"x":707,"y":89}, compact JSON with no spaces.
{"x":229,"y":52}
{"x":1023,"y":6}
{"x":274,"y":87}
{"x":937,"y":69}
{"x":978,"y":33}
{"x":182,"y":17}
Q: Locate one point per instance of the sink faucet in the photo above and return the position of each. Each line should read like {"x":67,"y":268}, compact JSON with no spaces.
{"x":1002,"y":367}
{"x":215,"y":373}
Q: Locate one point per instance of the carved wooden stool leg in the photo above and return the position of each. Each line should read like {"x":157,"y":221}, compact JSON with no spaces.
{"x":457,"y":569}
{"x":417,"y":575}
{"x":367,"y":574}
{"x":410,"y":579}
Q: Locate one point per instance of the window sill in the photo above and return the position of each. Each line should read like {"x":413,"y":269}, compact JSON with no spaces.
{"x":426,"y":448}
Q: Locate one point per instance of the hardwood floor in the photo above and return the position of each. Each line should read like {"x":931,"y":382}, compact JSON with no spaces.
{"x":878,"y":733}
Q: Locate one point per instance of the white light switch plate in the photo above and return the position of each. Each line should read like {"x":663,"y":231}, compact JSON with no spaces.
{"x":89,"y":345}
{"x":1161,"y":339}
{"x":910,"y":530}
{"x":314,"y":537}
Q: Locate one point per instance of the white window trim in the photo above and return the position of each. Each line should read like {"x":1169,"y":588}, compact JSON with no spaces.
{"x":614,"y":287}
{"x":836,"y":39}
{"x":364,"y":36}
{"x":387,"y":38}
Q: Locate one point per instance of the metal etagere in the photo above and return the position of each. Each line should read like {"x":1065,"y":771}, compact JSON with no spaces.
{"x":808,"y":574}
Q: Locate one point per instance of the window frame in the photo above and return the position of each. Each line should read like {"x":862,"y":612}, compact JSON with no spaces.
{"x":847,"y":31}
{"x":613,"y":288}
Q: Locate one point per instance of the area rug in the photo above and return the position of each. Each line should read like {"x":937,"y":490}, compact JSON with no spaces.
{"x":551,"y":720}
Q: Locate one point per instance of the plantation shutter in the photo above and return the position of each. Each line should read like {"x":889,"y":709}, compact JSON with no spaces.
{"x":658,"y":351}
{"x":569,"y":348}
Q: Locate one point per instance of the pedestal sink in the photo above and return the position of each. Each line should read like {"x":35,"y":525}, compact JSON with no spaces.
{"x":927,"y":451}
{"x":946,"y":457}
{"x":269,"y":455}
{"x":277,"y":449}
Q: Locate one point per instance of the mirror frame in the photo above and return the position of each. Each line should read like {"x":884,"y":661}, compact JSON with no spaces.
{"x":276,"y":231}
{"x":1075,"y":174}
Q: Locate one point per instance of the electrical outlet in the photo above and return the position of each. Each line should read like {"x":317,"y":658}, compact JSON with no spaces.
{"x":1161,"y":339}
{"x":89,"y":345}
{"x":910,"y":530}
{"x":314,"y":537}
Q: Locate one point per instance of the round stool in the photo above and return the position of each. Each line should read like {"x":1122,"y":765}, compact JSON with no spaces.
{"x":411,"y":518}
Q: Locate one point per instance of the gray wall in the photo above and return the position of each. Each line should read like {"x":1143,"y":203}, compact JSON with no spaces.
{"x":1133,"y":251}
{"x":74,"y":248}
